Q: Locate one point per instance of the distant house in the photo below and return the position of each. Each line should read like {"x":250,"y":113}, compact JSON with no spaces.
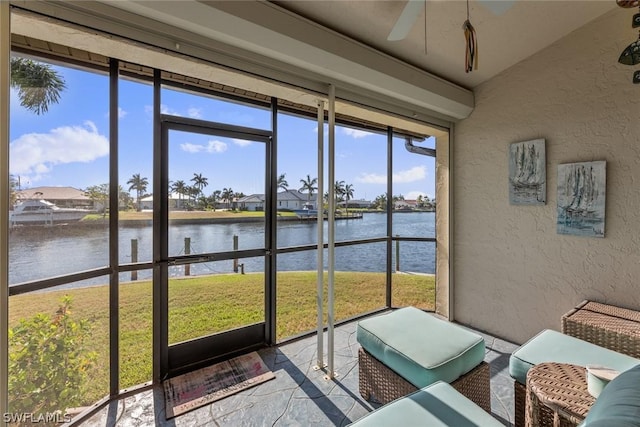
{"x":176,"y":201}
{"x":405,"y":204}
{"x":292,"y":199}
{"x":64,"y":197}
{"x":253,"y":202}
{"x":288,"y":199}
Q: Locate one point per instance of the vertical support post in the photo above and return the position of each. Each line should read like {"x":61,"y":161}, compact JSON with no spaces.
{"x":320,"y":224}
{"x":114,"y":254}
{"x":187,"y":251}
{"x":271,"y":225}
{"x":397,"y":253}
{"x":160,"y":231}
{"x":134,"y":258}
{"x":235,"y":248}
{"x":389,"y":213}
{"x":331,"y":220}
{"x":5,"y":79}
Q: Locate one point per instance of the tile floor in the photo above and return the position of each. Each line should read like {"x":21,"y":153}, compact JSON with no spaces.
{"x":299,"y":395}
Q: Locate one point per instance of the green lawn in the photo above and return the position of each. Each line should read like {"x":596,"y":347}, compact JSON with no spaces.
{"x":207,"y":304}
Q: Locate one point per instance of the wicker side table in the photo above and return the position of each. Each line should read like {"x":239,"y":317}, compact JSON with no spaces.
{"x":557,"y":395}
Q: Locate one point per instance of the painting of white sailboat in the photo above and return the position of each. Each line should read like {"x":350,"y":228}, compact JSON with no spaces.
{"x":527,"y":173}
{"x":581,"y":198}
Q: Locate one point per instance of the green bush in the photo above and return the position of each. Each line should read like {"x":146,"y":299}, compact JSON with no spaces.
{"x":48,"y":362}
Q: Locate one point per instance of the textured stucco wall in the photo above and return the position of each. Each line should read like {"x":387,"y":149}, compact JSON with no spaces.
{"x":513,"y":275}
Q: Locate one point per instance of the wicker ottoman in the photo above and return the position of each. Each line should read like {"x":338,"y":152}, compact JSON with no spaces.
{"x":608,"y":326}
{"x":408,"y":349}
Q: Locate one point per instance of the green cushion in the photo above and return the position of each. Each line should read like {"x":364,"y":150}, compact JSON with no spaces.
{"x":438,"y":405}
{"x":619,"y":403}
{"x":420,"y":347}
{"x":552,"y":346}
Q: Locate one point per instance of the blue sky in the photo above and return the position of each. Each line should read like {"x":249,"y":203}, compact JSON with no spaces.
{"x":69,"y":145}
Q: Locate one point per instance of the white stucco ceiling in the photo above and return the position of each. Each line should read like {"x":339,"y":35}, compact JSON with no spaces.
{"x":504,"y":39}
{"x":344,"y":43}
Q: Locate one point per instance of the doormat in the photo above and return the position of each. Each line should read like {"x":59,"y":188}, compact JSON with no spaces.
{"x":198,"y":388}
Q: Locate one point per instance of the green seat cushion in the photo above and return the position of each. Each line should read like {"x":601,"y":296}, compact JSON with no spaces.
{"x":619,"y":403}
{"x":420,"y":347}
{"x":437,"y":405}
{"x":552,"y":346}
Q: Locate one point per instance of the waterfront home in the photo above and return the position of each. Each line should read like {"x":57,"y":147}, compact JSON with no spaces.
{"x":172,"y":84}
{"x":252,"y":202}
{"x":292,"y":199}
{"x":177,"y":201}
{"x":63,"y":197}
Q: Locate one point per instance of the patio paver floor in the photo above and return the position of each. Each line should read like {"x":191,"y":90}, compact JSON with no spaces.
{"x":299,"y":395}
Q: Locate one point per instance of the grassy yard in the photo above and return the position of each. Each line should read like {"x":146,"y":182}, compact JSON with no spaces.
{"x":185,"y":215}
{"x":208,"y":304}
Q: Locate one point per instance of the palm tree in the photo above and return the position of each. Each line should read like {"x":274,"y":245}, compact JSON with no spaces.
{"x":192,"y":192}
{"x":282,"y":182}
{"x":339,"y":190}
{"x":214,"y":198}
{"x":347,"y":191}
{"x":308,"y":185}
{"x":199,"y":181}
{"x":138,"y":183}
{"x":179,"y":187}
{"x":380,"y":202}
{"x":227,"y":194}
{"x":236,"y":197}
{"x":38,"y":84}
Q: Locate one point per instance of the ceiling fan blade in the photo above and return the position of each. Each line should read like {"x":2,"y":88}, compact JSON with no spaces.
{"x":404,"y":23}
{"x":497,"y":7}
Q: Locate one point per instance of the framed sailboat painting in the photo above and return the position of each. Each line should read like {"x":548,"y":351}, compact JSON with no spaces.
{"x":581,"y":198}
{"x":527,"y":173}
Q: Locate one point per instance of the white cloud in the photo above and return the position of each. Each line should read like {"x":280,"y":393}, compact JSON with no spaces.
{"x":194,"y":113}
{"x":164,"y":109}
{"x":355,"y":133}
{"x":242,"y":142}
{"x":372,"y":178}
{"x":213,"y":146}
{"x":410,"y":175}
{"x":39,"y":152}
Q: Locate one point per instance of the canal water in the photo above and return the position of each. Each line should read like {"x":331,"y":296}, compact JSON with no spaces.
{"x":40,"y":253}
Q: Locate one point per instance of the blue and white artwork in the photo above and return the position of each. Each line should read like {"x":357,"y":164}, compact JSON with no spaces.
{"x":527,"y":173}
{"x":581,"y":198}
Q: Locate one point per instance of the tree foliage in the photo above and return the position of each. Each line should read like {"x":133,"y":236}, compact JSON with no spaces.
{"x":308,"y":186}
{"x":48,"y":362}
{"x":99,"y":194}
{"x":282,"y":182}
{"x":139,"y":184}
{"x":38,"y":84}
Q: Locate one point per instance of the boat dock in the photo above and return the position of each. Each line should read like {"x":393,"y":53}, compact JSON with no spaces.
{"x":313,"y":217}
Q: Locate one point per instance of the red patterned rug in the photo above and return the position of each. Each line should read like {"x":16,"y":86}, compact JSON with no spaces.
{"x":198,"y":388}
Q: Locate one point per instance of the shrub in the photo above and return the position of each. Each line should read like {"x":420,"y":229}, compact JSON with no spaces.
{"x":48,"y":362}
